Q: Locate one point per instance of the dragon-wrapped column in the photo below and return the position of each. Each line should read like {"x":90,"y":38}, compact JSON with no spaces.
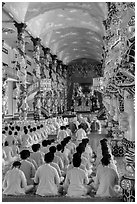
{"x":21,"y":71}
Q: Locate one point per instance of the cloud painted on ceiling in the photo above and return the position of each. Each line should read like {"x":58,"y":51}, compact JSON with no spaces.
{"x":70,"y":29}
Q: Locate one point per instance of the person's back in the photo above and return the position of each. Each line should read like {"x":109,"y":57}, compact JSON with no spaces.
{"x":80,"y":134}
{"x":29,"y":170}
{"x":36,"y":155}
{"x":55,"y":165}
{"x":47,"y":178}
{"x":33,"y":162}
{"x":61,"y":134}
{"x":71,"y":146}
{"x":58,"y":161}
{"x":15,"y":149}
{"x":10,"y":138}
{"x":64,"y":159}
{"x":26,"y":166}
{"x":105,"y":181}
{"x":14,"y":181}
{"x":76,"y":180}
{"x":68,"y":130}
{"x":95,"y":125}
{"x":45,"y":146}
{"x":9,"y":153}
{"x":89,"y":151}
{"x":14,"y":188}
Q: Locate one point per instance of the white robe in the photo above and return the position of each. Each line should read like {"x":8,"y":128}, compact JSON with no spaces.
{"x":14,"y":182}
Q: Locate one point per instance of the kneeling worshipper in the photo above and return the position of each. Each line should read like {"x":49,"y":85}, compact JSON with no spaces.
{"x":80,"y":134}
{"x":47,"y":178}
{"x":106,"y":180}
{"x":15,"y":182}
{"x":76,"y":180}
{"x":62,"y":133}
{"x":9,"y":155}
{"x":27,"y":167}
{"x":95,"y":125}
{"x":37,"y":155}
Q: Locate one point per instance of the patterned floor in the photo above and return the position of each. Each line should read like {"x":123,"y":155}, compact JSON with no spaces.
{"x":34,"y":198}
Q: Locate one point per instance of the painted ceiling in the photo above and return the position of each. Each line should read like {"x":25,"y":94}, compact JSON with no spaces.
{"x":72,"y":30}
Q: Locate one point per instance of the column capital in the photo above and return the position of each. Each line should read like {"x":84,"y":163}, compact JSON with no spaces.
{"x":46,"y":50}
{"x":36,"y":41}
{"x":20,"y":27}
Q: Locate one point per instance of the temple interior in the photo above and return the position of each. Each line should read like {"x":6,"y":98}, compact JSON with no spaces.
{"x":69,"y":65}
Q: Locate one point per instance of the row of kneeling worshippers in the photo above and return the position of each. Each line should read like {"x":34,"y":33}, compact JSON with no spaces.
{"x":66,"y":165}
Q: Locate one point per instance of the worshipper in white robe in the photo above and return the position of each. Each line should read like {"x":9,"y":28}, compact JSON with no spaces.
{"x":9,"y":153}
{"x":95,"y":125}
{"x":15,"y":148}
{"x":36,"y":155}
{"x":101,"y":147}
{"x":47,"y":178}
{"x":15,"y":182}
{"x":71,"y":146}
{"x":56,"y":124}
{"x":33,"y":136}
{"x":84,"y":160}
{"x":106,"y":179}
{"x":60,"y":153}
{"x":68,"y":130}
{"x":112,"y":161}
{"x":76,"y":122}
{"x":43,"y":134}
{"x":10,"y":138}
{"x":76,"y":180}
{"x":27,"y":167}
{"x":88,"y":148}
{"x":38,"y":134}
{"x":25,"y":140}
{"x":80,"y":134}
{"x":57,"y":158}
{"x":45,"y":146}
{"x":61,"y":134}
{"x":56,"y":166}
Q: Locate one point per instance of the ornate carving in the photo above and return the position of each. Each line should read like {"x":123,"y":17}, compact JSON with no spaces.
{"x":85,"y":70}
{"x":22,"y":72}
{"x":119,"y":72}
{"x":36,"y":55}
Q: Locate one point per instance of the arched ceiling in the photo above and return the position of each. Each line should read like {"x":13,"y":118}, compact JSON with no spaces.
{"x":72,"y":30}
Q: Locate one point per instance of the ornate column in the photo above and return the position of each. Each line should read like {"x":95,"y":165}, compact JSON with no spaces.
{"x":21,"y":71}
{"x":36,"y":55}
{"x":37,"y":72}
